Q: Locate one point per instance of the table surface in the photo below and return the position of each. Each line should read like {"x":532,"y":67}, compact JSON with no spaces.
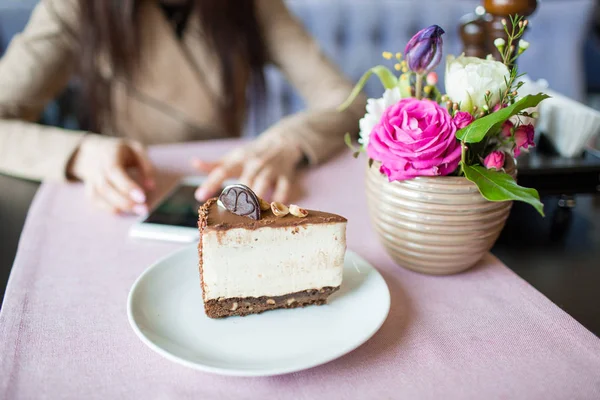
{"x":485,"y":333}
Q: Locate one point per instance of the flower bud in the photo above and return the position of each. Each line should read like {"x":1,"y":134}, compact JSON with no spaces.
{"x":432,"y":79}
{"x":462,"y":119}
{"x":507,"y":129}
{"x":498,"y":107}
{"x":523,"y":45}
{"x":494,"y":160}
{"x":524,"y":135}
{"x":424,"y":51}
{"x":500,"y":43}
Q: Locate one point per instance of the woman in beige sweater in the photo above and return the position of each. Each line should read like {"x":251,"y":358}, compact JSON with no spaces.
{"x":158,"y":72}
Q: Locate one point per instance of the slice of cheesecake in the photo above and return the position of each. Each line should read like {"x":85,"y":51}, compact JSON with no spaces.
{"x":250,"y":265}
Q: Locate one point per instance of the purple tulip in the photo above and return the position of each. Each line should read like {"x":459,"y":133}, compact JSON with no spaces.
{"x":424,"y":51}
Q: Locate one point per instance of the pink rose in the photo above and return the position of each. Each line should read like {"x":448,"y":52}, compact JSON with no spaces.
{"x":524,"y":138}
{"x":507,"y":129}
{"x":415,"y":138}
{"x":462,"y":119}
{"x":494,"y":160}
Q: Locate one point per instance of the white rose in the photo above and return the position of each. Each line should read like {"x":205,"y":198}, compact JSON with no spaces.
{"x":375,"y":109}
{"x":468,"y":78}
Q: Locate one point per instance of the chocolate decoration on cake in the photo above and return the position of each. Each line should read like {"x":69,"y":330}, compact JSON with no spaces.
{"x":241,"y":200}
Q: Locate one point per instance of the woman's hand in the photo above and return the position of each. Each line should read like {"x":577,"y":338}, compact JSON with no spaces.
{"x":262,"y":166}
{"x":102,"y":164}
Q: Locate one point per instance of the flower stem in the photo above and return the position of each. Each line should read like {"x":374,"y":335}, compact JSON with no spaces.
{"x":419,"y":86}
{"x":463,"y":157}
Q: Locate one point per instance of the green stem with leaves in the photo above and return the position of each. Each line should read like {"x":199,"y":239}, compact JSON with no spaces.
{"x":517,"y":30}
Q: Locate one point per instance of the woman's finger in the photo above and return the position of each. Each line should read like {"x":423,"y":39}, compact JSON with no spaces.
{"x":251,"y":169}
{"x":282,"y":189}
{"x":145,"y":165}
{"x":213,"y":182}
{"x":126,"y":185}
{"x":263,"y":182}
{"x":118,"y":200}
{"x":205,"y":166}
{"x":99,"y":201}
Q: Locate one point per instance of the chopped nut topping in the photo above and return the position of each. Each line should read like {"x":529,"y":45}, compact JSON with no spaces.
{"x":291,"y":301}
{"x":264,"y":206}
{"x":297,"y":211}
{"x":279,"y":209}
{"x":271,"y":301}
{"x":234,"y":306}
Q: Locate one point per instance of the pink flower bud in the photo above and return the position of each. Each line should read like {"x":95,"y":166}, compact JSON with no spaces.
{"x":432,"y":78}
{"x":524,"y":135}
{"x":494,"y":160}
{"x":507,"y":129}
{"x":498,"y":107}
{"x":462,"y":119}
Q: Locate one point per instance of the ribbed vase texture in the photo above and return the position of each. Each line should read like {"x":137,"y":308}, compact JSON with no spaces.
{"x":437,"y":225}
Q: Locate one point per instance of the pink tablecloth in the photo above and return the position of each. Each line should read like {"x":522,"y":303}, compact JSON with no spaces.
{"x":485,"y":334}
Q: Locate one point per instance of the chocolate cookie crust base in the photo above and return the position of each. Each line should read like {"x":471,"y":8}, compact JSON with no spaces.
{"x":241,"y":306}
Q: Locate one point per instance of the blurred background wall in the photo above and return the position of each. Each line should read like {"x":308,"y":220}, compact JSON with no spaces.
{"x":564,"y":37}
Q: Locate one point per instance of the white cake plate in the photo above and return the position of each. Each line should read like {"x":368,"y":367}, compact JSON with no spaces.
{"x":165,"y":310}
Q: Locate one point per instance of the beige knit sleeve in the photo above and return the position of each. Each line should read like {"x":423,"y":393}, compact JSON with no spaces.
{"x":319,"y":130}
{"x":34,"y":69}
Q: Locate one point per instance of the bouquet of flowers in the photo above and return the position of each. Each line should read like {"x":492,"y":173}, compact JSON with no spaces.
{"x":473,"y":130}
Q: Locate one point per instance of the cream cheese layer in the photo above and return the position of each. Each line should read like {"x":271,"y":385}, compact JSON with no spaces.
{"x":272,"y":261}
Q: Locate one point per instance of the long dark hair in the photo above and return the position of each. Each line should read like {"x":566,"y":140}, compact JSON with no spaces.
{"x":111,"y":27}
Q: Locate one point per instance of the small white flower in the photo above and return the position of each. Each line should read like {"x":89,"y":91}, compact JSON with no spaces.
{"x":469,"y":78}
{"x":523,"y":45}
{"x":499,"y":42}
{"x":375,"y":109}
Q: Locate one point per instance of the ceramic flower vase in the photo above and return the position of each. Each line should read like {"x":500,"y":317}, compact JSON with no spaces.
{"x":434,"y":225}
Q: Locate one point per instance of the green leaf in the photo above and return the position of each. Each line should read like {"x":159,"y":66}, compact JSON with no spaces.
{"x":387,"y":78}
{"x":355,"y":150}
{"x":499,"y":186}
{"x":348,"y":141}
{"x":476,"y":131}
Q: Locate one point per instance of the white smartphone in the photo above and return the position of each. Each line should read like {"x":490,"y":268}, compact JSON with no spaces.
{"x":175,"y":218}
